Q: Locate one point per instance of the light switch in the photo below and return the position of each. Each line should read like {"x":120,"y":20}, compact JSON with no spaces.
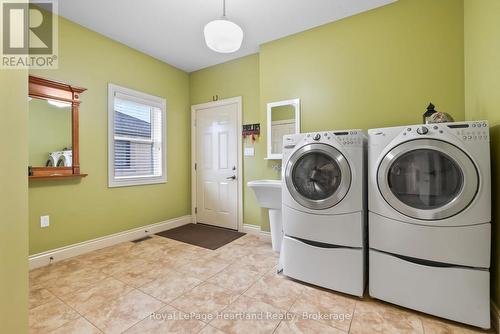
{"x":44,"y":221}
{"x":249,"y":151}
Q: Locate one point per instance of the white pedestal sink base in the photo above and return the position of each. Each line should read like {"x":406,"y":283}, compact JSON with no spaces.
{"x":268,"y":193}
{"x":276,"y":225}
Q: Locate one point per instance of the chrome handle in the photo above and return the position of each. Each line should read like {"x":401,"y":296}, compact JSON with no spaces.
{"x":231,"y":177}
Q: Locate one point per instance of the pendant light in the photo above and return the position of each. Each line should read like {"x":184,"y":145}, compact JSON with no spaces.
{"x":223,"y":35}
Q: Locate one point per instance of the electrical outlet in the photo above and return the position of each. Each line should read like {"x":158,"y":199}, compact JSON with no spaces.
{"x":44,"y":221}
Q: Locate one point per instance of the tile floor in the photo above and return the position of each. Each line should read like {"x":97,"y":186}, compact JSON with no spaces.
{"x":165,"y":286}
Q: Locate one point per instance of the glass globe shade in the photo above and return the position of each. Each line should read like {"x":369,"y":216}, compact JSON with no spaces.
{"x":223,"y":36}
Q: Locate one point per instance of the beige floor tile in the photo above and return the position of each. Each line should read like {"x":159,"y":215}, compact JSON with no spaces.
{"x":236,"y":277}
{"x":191,"y":248}
{"x":163,"y":240}
{"x":263,"y":248}
{"x":125,"y":263}
{"x":203,"y":268}
{"x":138,"y":276}
{"x":305,"y":326}
{"x":176,"y":256}
{"x":55,"y":270}
{"x":275,"y":291}
{"x":167,"y":320}
{"x":170,"y":286}
{"x":73,"y":281}
{"x":437,"y":326}
{"x":100,"y":259}
{"x":210,"y":330}
{"x":257,"y":243}
{"x":232,"y":253}
{"x":164,"y":267}
{"x":78,"y":326}
{"x":330,"y":308}
{"x":372,"y":317}
{"x":262,"y":261}
{"x":247,"y":315}
{"x":39,"y":296}
{"x":145,"y":250}
{"x":120,"y":314}
{"x":246,"y":239}
{"x":95,"y":296}
{"x":50,"y":316}
{"x":206,"y":299}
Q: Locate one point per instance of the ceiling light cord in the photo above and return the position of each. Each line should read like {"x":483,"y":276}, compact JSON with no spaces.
{"x":224,"y":8}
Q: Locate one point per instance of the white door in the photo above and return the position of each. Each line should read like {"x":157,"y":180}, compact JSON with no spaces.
{"x":217,"y":165}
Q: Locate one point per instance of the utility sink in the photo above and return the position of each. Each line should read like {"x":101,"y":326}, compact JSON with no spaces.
{"x":268,"y":193}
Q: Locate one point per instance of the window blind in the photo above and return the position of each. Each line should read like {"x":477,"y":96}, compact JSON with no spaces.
{"x":138,"y":142}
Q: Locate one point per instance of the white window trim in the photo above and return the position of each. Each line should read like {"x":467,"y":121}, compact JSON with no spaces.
{"x":144,"y":98}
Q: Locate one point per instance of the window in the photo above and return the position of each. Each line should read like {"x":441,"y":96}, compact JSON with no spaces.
{"x":137,"y":138}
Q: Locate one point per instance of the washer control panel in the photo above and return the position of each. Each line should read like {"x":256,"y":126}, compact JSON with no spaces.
{"x":349,"y":138}
{"x":345,"y":138}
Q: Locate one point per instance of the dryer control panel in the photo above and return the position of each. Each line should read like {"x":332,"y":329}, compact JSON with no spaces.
{"x":471,"y":130}
{"x":467,"y":131}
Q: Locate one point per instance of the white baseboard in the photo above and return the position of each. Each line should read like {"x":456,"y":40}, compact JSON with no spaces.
{"x":495,"y":317}
{"x":51,"y":256}
{"x":256,"y":230}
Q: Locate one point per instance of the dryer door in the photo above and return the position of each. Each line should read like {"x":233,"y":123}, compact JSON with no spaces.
{"x":427,"y":179}
{"x":318,"y":176}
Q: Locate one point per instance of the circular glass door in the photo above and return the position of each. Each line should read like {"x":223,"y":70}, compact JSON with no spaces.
{"x":318,"y":176}
{"x":427,"y":179}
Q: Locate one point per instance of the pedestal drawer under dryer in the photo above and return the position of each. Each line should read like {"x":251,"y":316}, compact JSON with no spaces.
{"x":456,"y":293}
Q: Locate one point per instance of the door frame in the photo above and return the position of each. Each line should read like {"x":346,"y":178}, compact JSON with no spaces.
{"x":194,"y":109}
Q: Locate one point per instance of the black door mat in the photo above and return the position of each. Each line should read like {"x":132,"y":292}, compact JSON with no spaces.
{"x":201,"y":235}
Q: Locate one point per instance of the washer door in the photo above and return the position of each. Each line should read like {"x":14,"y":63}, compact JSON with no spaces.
{"x":317,"y":176}
{"x":427,"y":179}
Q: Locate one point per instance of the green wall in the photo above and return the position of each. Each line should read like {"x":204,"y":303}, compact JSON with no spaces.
{"x":379,"y":68}
{"x":375,"y":69}
{"x":14,"y":201}
{"x":49,"y":130}
{"x":237,"y":78}
{"x":87,"y":209}
{"x":482,"y":96}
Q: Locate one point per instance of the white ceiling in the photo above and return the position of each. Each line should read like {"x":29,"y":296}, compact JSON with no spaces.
{"x":172,"y":31}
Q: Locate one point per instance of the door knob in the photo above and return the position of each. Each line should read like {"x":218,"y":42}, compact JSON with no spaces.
{"x":231,"y":177}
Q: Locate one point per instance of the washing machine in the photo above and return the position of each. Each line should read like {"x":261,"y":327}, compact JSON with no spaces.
{"x":429,"y":219}
{"x":324,"y":209}
{"x":62,"y":158}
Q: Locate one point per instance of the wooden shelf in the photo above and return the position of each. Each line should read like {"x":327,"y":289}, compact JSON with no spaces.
{"x":57,"y":177}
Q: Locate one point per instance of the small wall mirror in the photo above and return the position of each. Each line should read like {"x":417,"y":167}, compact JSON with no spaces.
{"x":283,"y":118}
{"x":53,"y":129}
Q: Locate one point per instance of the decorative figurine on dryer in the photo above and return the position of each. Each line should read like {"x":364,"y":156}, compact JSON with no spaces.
{"x":251,"y":130}
{"x":434,"y":116}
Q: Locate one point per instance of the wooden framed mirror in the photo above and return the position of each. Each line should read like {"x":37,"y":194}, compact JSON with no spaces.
{"x":54,"y":144}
